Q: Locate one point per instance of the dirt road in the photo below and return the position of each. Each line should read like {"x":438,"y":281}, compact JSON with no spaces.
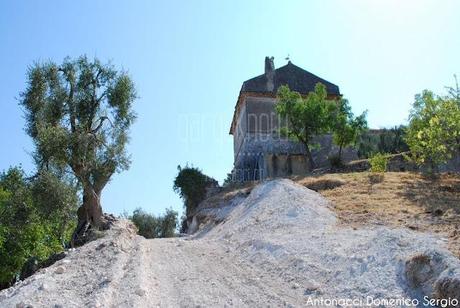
{"x":151,"y":273}
{"x":197,"y":273}
{"x":280,"y":246}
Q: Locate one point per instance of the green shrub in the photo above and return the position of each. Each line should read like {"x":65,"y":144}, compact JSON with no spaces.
{"x":151,"y":226}
{"x":190,"y":183}
{"x":378,"y":163}
{"x":32,"y":226}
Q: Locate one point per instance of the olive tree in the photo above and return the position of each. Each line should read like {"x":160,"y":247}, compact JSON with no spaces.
{"x":78,"y":114}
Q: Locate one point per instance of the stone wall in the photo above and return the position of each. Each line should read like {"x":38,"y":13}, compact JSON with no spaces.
{"x":277,"y":165}
{"x":254,"y":146}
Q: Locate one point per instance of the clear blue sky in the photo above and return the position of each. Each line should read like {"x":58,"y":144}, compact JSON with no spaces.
{"x":189,"y":59}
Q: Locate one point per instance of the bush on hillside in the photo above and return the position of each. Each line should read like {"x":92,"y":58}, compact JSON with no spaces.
{"x":378,"y":163}
{"x":190,"y":183}
{"x":151,"y":226}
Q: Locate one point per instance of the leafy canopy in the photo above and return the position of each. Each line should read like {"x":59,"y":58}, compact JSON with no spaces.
{"x":151,"y":226}
{"x":78,"y":114}
{"x":28,"y":229}
{"x":433,"y":134}
{"x":306,"y":116}
{"x":378,"y":162}
{"x":190,"y":183}
{"x":347,"y":127}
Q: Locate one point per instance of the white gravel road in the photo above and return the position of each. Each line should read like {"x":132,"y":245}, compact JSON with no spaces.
{"x":280,"y":246}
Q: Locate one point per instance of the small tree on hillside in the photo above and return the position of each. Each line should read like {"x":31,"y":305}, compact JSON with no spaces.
{"x":169,"y":223}
{"x":306,"y":117}
{"x":151,"y":226}
{"x":190,"y":183}
{"x":347,"y":127}
{"x":433,"y":134}
{"x":78,"y":114}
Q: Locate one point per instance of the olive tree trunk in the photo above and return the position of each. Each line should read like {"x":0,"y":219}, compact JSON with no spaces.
{"x":89,"y":215}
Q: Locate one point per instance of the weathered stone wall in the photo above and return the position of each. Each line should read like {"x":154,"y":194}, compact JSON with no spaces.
{"x":240,"y":131}
{"x":256,"y":145}
{"x":261,"y":115}
{"x":276,"y":165}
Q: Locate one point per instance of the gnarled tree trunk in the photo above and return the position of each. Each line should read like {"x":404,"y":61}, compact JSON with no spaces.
{"x":89,"y":216}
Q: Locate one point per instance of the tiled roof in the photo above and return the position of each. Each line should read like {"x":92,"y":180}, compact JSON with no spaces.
{"x":296,"y":78}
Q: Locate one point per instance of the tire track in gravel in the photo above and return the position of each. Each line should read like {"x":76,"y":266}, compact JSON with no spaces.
{"x":194,"y":273}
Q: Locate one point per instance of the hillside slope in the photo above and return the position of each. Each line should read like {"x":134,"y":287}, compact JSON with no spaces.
{"x":279,"y":245}
{"x":402,"y":199}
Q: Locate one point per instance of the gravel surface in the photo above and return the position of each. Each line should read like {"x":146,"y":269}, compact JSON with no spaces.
{"x":279,"y":246}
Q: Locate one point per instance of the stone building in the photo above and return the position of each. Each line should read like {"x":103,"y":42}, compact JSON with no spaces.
{"x":259,"y":150}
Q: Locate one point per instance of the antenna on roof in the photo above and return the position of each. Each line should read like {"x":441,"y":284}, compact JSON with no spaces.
{"x":288,"y":58}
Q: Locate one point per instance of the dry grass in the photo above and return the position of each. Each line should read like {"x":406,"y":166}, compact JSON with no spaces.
{"x":399,"y":199}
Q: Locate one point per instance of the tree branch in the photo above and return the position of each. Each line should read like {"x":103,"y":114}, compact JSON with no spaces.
{"x":101,"y":121}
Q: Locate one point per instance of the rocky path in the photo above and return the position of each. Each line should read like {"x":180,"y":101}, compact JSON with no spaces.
{"x":279,"y":247}
{"x":152,"y":273}
{"x":197,"y":273}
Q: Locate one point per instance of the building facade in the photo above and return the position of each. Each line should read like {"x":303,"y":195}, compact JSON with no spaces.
{"x":259,"y":149}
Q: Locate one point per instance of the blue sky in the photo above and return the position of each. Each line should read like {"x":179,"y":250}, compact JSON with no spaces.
{"x":189,"y":59}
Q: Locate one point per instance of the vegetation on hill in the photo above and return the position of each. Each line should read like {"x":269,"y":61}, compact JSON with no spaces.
{"x":378,"y":162}
{"x":432,"y":136}
{"x":433,"y":133}
{"x":151,"y":226}
{"x":191,"y":183}
{"x":347,"y":127}
{"x":37,"y":216}
{"x":306,"y":116}
{"x":402,"y":199}
{"x":78,"y":114}
{"x":386,"y":140}
{"x":316,"y":114}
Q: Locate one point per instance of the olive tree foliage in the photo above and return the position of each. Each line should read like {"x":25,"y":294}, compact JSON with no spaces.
{"x":347,"y":127}
{"x":55,"y":199}
{"x":15,"y":213}
{"x":433,"y":134}
{"x":37,"y":216}
{"x":151,"y":226}
{"x":78,"y":114}
{"x":306,"y":117}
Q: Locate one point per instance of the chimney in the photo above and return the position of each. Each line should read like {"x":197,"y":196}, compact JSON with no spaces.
{"x":270,"y":73}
